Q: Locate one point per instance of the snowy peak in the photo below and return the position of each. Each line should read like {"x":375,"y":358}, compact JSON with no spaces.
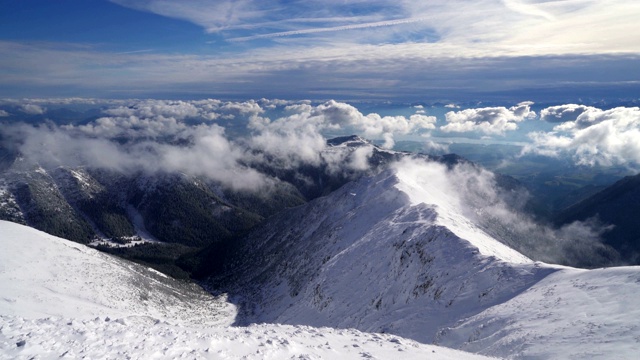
{"x":414,"y":261}
{"x":348,"y":141}
{"x":429,"y":183}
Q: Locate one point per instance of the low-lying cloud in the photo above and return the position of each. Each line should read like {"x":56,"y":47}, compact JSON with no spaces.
{"x":489,"y":120}
{"x":477,"y":194}
{"x":591,"y":136}
{"x":187,"y":137}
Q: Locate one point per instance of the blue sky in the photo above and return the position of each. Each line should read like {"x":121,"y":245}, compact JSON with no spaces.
{"x":460,"y":50}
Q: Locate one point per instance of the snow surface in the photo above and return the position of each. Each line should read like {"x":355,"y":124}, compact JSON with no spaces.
{"x":425,"y":184}
{"x":43,"y":275}
{"x":570,"y":314}
{"x":59,"y":299}
{"x":393,"y":253}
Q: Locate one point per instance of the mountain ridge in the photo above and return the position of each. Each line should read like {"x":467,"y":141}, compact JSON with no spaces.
{"x":303,"y":264}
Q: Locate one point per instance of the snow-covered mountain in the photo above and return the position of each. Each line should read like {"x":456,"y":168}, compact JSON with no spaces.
{"x":399,"y":253}
{"x":61,"y":299}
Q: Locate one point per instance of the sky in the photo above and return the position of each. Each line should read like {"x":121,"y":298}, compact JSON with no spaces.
{"x":560,"y":78}
{"x":401,"y":50}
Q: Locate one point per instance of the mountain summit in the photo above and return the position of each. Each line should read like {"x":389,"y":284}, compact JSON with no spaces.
{"x":388,"y":253}
{"x":399,"y":253}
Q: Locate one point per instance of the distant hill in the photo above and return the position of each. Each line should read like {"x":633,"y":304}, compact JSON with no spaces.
{"x":617,"y":205}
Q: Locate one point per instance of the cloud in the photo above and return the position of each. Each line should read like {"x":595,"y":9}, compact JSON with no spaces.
{"x":340,"y":49}
{"x":474,"y":193}
{"x":3,"y":113}
{"x":505,"y":27}
{"x":298,"y":137}
{"x":406,"y":71}
{"x":330,"y":29}
{"x":433,"y":148}
{"x":32,"y":109}
{"x":153,"y":108}
{"x":490,"y":120}
{"x":208,"y":153}
{"x":373,"y":125}
{"x":343,"y":160}
{"x":184,"y":136}
{"x":212,"y":15}
{"x":593,"y":137}
{"x":562,"y":113}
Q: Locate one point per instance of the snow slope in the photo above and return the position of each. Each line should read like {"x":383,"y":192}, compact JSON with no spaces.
{"x":43,"y":275}
{"x":394,"y":253}
{"x":570,"y":314}
{"x":373,"y":256}
{"x":59,"y":299}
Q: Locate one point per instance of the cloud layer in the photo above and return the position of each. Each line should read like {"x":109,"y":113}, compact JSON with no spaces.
{"x":340,"y":49}
{"x":206,"y":136}
{"x":169,"y":136}
{"x":591,"y":136}
{"x":187,"y":137}
{"x":491,"y":120}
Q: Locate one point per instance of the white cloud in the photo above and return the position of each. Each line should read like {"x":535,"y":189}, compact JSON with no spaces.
{"x":562,"y":113}
{"x":490,"y":120}
{"x":178,"y":136}
{"x":374,"y":125}
{"x":474,"y":192}
{"x":156,"y":108}
{"x":434,"y":148}
{"x":207,"y":154}
{"x":505,"y":27}
{"x":3,"y":113}
{"x":595,"y":137}
{"x":32,"y":109}
{"x":412,"y":51}
{"x":212,"y":15}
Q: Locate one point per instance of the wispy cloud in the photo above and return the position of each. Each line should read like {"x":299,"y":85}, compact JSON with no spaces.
{"x":503,"y":26}
{"x":329,"y":29}
{"x":371,"y":49}
{"x":400,"y":71}
{"x":135,"y":52}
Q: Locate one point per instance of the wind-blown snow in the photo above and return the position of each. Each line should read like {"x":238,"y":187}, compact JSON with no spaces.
{"x":429,"y":184}
{"x":61,"y":299}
